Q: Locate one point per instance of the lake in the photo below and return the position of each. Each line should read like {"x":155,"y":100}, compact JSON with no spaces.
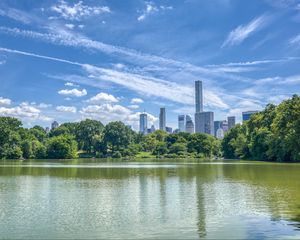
{"x":88,"y":199}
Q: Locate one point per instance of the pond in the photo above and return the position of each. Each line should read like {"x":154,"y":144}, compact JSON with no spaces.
{"x":88,"y":199}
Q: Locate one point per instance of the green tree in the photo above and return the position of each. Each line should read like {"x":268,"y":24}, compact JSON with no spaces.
{"x":60,"y":147}
{"x":117,"y":136}
{"x":85,"y":132}
{"x":160,"y":149}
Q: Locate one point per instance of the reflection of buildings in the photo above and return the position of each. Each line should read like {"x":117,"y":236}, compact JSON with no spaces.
{"x":200,"y":207}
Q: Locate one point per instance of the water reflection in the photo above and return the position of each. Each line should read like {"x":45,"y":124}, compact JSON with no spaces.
{"x":149,"y":200}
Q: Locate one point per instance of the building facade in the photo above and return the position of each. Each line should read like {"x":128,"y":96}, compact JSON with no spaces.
{"x":204,"y":122}
{"x":231,"y":122}
{"x":162,"y":119}
{"x":54,"y":125}
{"x":189,"y":125}
{"x":198,"y":96}
{"x":143,"y":123}
{"x":247,"y":115}
{"x":181,"y":123}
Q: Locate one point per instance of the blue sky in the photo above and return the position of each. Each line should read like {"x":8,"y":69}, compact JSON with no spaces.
{"x":110,"y":60}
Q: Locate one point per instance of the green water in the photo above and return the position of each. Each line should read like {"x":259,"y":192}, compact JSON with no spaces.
{"x":156,"y":200}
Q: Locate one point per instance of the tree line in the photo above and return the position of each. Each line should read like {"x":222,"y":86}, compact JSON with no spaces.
{"x":272,"y":134}
{"x":90,"y":138}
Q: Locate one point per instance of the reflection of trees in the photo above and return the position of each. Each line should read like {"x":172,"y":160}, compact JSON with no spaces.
{"x":275,"y":186}
{"x":201,"y":224}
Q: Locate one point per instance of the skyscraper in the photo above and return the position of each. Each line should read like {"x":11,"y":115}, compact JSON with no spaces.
{"x":217,"y":125}
{"x":143,"y":123}
{"x":204,"y":122}
{"x":189,"y":125}
{"x":181,"y":123}
{"x":54,"y":125}
{"x":248,"y":114}
{"x":198,"y":96}
{"x":162,"y":119}
{"x":231,"y":122}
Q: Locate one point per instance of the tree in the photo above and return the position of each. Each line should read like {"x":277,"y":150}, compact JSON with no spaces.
{"x":202,"y":143}
{"x":178,"y":148}
{"x":117,"y":136}
{"x":85,"y":132}
{"x":160,"y":149}
{"x":60,"y":147}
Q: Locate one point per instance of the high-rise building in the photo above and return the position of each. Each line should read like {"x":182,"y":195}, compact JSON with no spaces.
{"x":181,"y":123}
{"x":248,"y":114}
{"x":189,"y":125}
{"x":162,"y":119}
{"x":143,"y":123}
{"x":198,"y":96}
{"x":54,"y":125}
{"x":169,"y":130}
{"x":217,"y":125}
{"x":224,"y":126}
{"x":204,"y":122}
{"x":231,"y":122}
{"x":153,"y":128}
{"x":220,"y":133}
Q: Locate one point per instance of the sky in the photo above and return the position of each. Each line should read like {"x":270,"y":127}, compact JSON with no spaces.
{"x":111,"y":60}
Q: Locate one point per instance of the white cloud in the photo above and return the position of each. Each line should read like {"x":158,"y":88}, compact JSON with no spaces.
{"x":151,"y":8}
{"x":77,"y":11}
{"x":16,"y":15}
{"x":103,"y":97}
{"x":242,"y":32}
{"x":2,"y":62}
{"x":66,"y":109}
{"x":70,"y":25}
{"x":136,"y":100}
{"x":73,"y":92}
{"x":70,"y":84}
{"x":295,"y":40}
{"x":140,"y":83}
{"x":24,"y":110}
{"x":109,"y":112}
{"x":133,"y":106}
{"x":5,"y":101}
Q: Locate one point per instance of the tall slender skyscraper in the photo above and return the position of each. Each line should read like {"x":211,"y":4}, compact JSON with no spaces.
{"x":181,"y":123}
{"x":143,"y":123}
{"x":162,"y":119}
{"x":198,"y":96}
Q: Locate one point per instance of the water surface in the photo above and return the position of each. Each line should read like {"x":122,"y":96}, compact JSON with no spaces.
{"x":90,"y":199}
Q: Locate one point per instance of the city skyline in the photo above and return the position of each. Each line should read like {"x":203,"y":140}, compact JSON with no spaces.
{"x":67,"y":61}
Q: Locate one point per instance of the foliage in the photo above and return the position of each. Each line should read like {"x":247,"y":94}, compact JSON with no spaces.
{"x":273,"y":134}
{"x":61,"y":147}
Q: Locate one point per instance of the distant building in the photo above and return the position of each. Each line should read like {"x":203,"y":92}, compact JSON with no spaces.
{"x":176,"y":131}
{"x":181,"y":123}
{"x":47,"y":129}
{"x":204,"y":122}
{"x":169,"y":130}
{"x":54,"y":125}
{"x":152,"y":129}
{"x":231,"y":122}
{"x":217,"y":125}
{"x":248,"y":114}
{"x":198,"y":96}
{"x":143,"y":123}
{"x":220,"y":133}
{"x":189,"y":125}
{"x":224,"y":125}
{"x":162,"y":119}
{"x":129,"y":126}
